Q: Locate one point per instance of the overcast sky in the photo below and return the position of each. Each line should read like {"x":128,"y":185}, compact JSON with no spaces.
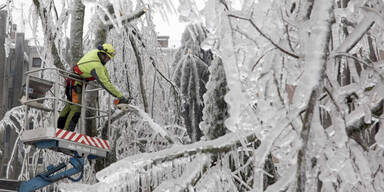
{"x":172,"y":27}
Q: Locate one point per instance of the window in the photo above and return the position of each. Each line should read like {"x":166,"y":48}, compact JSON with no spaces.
{"x":30,"y":126}
{"x":36,"y":62}
{"x":39,"y":160}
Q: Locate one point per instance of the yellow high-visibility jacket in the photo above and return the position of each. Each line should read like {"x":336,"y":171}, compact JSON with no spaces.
{"x":91,"y":66}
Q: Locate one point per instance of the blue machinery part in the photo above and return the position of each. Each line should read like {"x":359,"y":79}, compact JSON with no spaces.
{"x":48,"y":178}
{"x":53,"y":173}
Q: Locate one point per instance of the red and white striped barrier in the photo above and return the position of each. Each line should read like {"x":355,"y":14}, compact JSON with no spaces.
{"x":84,"y":139}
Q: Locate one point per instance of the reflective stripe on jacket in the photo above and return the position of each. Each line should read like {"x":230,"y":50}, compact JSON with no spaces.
{"x":91,"y":66}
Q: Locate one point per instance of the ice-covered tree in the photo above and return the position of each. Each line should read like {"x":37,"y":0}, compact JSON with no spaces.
{"x":304,"y":100}
{"x":302,"y":78}
{"x":215,"y":108}
{"x":191,"y":74}
{"x":106,"y":27}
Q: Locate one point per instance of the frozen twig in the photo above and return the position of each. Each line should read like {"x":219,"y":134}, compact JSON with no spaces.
{"x":264,"y":35}
{"x":191,"y":175}
{"x":242,"y":183}
{"x":372,"y":66}
{"x":2,"y":6}
{"x":246,"y":36}
{"x":153,"y":61}
{"x":362,"y":28}
{"x":156,"y":127}
{"x":289,"y":38}
{"x":258,"y":60}
{"x":104,"y":130}
{"x":217,"y":178}
{"x":286,"y":27}
{"x":130,"y":18}
{"x":355,"y":120}
{"x":283,"y":181}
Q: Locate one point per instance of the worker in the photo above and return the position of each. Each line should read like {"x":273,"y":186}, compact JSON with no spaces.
{"x":90,"y":67}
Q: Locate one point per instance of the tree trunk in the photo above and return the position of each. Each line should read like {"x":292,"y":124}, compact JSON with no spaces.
{"x":76,"y":38}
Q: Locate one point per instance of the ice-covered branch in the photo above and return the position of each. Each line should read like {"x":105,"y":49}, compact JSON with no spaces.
{"x":191,"y":175}
{"x":305,"y":9}
{"x":9,"y":165}
{"x":316,"y":57}
{"x":13,"y":118}
{"x":156,"y":127}
{"x":140,"y":71}
{"x":113,"y":119}
{"x":371,"y":94}
{"x":221,"y":145}
{"x":355,"y":120}
{"x":264,"y":35}
{"x":217,"y":178}
{"x":283,"y":181}
{"x":362,"y":28}
{"x":130,"y":18}
{"x":309,"y":87}
{"x":135,"y":171}
{"x":44,"y":15}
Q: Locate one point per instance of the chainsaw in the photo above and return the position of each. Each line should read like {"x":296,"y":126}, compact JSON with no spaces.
{"x":122,"y":104}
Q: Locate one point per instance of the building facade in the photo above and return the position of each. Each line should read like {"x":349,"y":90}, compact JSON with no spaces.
{"x":16,"y":57}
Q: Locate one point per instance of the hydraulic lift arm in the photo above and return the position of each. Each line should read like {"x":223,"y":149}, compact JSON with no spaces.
{"x":50,"y":177}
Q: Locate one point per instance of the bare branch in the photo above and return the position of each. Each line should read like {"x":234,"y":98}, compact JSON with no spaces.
{"x":258,"y":60}
{"x":3,"y":6}
{"x":264,"y":35}
{"x":55,"y":10}
{"x":289,"y":38}
{"x":153,"y":62}
{"x":246,"y":35}
{"x":286,"y":26}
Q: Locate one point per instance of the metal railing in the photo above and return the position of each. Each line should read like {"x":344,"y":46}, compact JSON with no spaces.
{"x":58,"y":98}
